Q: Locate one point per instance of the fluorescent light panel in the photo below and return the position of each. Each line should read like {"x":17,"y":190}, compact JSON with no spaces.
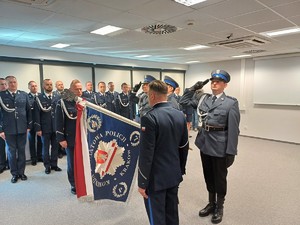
{"x":190,"y":62}
{"x":60,"y":45}
{"x":189,"y":2}
{"x":281,"y":32}
{"x":106,"y":30}
{"x":142,"y":56}
{"x":240,"y":56}
{"x":195,"y":47}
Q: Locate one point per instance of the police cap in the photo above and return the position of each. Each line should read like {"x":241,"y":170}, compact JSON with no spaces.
{"x":220,"y":74}
{"x":148,"y":79}
{"x":168,"y":80}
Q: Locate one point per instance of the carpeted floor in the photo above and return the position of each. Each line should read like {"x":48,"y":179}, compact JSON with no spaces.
{"x":263,"y":189}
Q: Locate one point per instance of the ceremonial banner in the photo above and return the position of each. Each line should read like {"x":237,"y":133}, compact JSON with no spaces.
{"x":106,"y":153}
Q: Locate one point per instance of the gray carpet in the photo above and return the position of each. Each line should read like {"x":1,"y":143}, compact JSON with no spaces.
{"x":263,"y":189}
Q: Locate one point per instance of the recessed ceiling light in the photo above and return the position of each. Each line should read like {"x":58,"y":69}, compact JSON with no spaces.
{"x":195,"y":47}
{"x":190,"y":62}
{"x":281,"y":32}
{"x":189,"y":2}
{"x":240,"y":56}
{"x":142,"y":56}
{"x":106,"y":30}
{"x":60,"y":45}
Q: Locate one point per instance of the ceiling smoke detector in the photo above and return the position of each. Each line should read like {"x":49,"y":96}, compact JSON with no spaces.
{"x":243,"y":42}
{"x":159,"y":29}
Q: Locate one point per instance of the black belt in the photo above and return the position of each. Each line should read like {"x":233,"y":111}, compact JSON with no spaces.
{"x":212,"y":128}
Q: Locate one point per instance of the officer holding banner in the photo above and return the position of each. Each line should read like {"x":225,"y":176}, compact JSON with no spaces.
{"x":161,"y":165}
{"x":217,"y":139}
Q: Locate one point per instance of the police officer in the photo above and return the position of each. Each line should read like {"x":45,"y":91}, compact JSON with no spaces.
{"x":15,"y":121}
{"x":44,"y":123}
{"x":99,"y":98}
{"x":172,"y":85}
{"x":160,"y":164}
{"x":3,"y":161}
{"x":217,"y":140}
{"x":65,"y":120}
{"x":88,"y":93}
{"x":111,"y":97}
{"x":35,"y":142}
{"x":123,"y":103}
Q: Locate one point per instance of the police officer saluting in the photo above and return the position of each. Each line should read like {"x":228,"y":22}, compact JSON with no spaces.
{"x":15,"y":121}
{"x":217,"y":139}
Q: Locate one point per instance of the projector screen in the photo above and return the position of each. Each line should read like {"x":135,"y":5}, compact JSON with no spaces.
{"x":277,"y":81}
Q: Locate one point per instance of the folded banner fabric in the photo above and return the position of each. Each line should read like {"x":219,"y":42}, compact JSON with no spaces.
{"x":106,"y":154}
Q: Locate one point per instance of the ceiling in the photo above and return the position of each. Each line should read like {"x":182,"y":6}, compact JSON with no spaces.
{"x":71,"y":21}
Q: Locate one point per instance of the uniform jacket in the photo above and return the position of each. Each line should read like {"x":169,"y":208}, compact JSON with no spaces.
{"x":99,"y":99}
{"x":124,"y":106}
{"x":87,"y":95}
{"x":164,"y":136}
{"x":65,"y":121}
{"x":173,"y":101}
{"x":223,"y":113}
{"x":44,"y":113}
{"x":15,"y":115}
{"x":111,"y":101}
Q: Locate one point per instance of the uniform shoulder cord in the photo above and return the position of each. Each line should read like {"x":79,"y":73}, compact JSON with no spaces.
{"x":41,"y":107}
{"x":124,"y":105}
{"x":5,"y":108}
{"x":66,"y":111}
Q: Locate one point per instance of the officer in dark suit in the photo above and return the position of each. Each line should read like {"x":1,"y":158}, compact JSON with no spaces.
{"x":88,"y":93}
{"x":15,"y":121}
{"x":172,"y":85}
{"x":124,"y":104}
{"x":35,"y":142}
{"x":161,"y":165}
{"x":217,"y":139}
{"x":65,"y":121}
{"x":3,"y":161}
{"x":44,"y":123}
{"x":111,"y":97}
{"x":99,"y":98}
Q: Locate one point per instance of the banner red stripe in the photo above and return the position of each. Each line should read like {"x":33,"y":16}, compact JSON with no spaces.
{"x":78,"y":158}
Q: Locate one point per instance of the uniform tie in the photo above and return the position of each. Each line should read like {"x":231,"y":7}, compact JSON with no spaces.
{"x":13,"y":94}
{"x":213,"y":99}
{"x":50,"y":97}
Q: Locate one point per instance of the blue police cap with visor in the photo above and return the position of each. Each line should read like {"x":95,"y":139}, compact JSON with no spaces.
{"x":148,"y":79}
{"x":168,"y":80}
{"x":220,"y":74}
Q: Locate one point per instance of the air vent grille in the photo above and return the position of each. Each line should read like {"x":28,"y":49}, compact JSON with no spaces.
{"x":243,"y":42}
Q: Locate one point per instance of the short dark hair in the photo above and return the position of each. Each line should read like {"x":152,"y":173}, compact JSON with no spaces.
{"x":159,"y":87}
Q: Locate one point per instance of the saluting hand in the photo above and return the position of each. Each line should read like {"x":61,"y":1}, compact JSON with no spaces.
{"x":143,"y":193}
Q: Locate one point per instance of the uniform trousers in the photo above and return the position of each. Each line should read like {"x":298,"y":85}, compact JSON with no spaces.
{"x":162,"y":206}
{"x":16,"y":153}
{"x":2,"y":154}
{"x":215,"y":174}
{"x":35,"y":145}
{"x":70,"y":165}
{"x":50,"y":159}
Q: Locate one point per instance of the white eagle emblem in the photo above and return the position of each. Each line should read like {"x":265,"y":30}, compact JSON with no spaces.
{"x":108,"y":158}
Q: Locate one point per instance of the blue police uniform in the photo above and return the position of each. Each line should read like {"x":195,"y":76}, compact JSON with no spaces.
{"x":99,"y":99}
{"x":65,"y":122}
{"x":124,"y":105}
{"x":111,"y":98}
{"x":217,"y":141}
{"x":15,"y":119}
{"x":87,"y":94}
{"x":44,"y":120}
{"x":161,"y":165}
{"x":172,"y":97}
{"x":2,"y":156}
{"x":35,"y":142}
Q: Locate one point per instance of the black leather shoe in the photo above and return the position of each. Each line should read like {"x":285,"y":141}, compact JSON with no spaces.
{"x":207,"y":210}
{"x":23,"y":177}
{"x":33,"y":162}
{"x":14,"y":179}
{"x":2,"y":170}
{"x":40,"y":160}
{"x":73,"y":190}
{"x":56,"y":168}
{"x":47,"y":170}
{"x":217,"y":215}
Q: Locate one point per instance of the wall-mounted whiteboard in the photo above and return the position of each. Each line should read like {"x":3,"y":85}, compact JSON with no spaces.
{"x":277,"y":81}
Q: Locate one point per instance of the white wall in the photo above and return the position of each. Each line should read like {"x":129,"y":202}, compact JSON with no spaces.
{"x":264,"y":121}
